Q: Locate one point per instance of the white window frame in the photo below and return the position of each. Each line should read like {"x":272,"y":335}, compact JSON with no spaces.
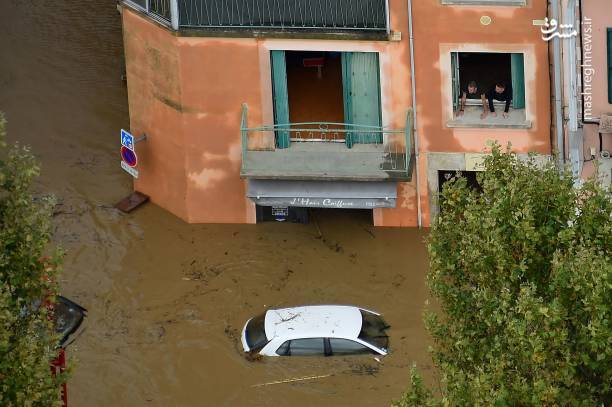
{"x":446,"y":73}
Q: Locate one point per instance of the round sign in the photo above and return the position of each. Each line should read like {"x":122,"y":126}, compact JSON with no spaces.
{"x":128,"y":156}
{"x":485,"y":20}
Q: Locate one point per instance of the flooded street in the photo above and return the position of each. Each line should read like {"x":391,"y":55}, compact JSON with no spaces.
{"x":167,"y":300}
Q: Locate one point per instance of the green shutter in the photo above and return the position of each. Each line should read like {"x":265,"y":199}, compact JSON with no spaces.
{"x":610,"y":65}
{"x":455,"y":80}
{"x":361,"y":87}
{"x":346,"y":86}
{"x":518,"y":81}
{"x":281,"y":96}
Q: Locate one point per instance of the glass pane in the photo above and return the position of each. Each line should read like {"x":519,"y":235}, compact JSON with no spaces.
{"x":283,"y":350}
{"x":373,"y":330}
{"x":256,"y":333}
{"x":307,"y":347}
{"x":348,"y":347}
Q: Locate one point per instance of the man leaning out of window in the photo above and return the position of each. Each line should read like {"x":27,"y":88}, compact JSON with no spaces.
{"x":472,"y":92}
{"x":501,"y":93}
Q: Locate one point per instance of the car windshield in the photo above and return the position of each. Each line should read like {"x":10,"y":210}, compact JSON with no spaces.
{"x":373,"y":330}
{"x":256,"y":333}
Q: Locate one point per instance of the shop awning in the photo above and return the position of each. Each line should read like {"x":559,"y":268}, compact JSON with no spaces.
{"x":323,"y":194}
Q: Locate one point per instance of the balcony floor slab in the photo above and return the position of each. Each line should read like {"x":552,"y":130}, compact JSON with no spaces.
{"x":325,"y":161}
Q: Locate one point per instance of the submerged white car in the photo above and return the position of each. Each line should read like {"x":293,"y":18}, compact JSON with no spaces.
{"x":316,"y":330}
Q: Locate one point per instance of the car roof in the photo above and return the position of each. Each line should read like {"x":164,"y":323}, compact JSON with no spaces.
{"x":314,"y":321}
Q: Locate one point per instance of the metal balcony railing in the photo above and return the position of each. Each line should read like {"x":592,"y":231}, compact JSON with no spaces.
{"x":291,"y":15}
{"x":159,"y":10}
{"x":322,"y":149}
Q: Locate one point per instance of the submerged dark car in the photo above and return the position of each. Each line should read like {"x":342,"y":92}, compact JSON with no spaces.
{"x":67,"y":318}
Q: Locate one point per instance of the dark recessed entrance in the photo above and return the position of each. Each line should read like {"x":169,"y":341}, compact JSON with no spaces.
{"x":316,"y":215}
{"x":446,"y":175}
{"x":314,"y":85}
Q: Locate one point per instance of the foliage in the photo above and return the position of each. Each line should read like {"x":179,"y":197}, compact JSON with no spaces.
{"x":521,"y":271}
{"x":27,"y":341}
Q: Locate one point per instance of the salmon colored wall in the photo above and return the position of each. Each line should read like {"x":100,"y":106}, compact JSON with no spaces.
{"x":154,"y":94}
{"x":439,"y":30}
{"x":599,"y":14}
{"x":178,"y":96}
{"x":188,"y":101}
{"x":597,"y":18}
{"x":458,"y":28}
{"x":186,"y":93}
{"x":218,"y":75}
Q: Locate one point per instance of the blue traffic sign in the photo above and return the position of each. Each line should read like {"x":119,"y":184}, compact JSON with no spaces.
{"x":127,"y":140}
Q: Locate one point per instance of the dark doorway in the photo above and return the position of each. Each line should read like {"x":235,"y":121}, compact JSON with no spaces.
{"x":314,"y":84}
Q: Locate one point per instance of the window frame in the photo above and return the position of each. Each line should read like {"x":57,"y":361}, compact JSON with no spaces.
{"x":447,"y":78}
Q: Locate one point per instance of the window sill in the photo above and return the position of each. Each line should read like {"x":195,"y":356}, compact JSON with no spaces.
{"x":471,"y":119}
{"x":482,"y":124}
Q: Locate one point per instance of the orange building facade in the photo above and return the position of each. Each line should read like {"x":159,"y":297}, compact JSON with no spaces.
{"x":247,"y":115}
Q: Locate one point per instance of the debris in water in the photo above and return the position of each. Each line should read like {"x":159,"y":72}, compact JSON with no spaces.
{"x":132,"y":202}
{"x":297,"y":379}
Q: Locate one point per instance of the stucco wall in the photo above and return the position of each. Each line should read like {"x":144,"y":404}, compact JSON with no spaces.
{"x":186,"y":94}
{"x":217,"y":76}
{"x":440,"y":30}
{"x":154,"y":94}
{"x":597,"y":17}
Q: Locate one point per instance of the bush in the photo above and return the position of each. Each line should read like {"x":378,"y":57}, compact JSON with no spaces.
{"x":521,"y":271}
{"x":27,"y":340}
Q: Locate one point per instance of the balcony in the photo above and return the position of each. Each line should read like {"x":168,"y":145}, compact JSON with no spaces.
{"x":339,"y":16}
{"x":326,"y":151}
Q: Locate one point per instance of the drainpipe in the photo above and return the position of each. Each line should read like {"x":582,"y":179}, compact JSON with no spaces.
{"x":414,"y":115}
{"x":174,"y":15}
{"x":570,"y":61}
{"x":557,"y":79}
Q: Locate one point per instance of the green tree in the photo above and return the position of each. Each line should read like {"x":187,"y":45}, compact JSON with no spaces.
{"x":521,"y":272}
{"x":27,"y":340}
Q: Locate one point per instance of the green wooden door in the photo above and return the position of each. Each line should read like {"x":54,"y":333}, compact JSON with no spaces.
{"x":361,"y":86}
{"x":518,"y":81}
{"x":280,"y":97}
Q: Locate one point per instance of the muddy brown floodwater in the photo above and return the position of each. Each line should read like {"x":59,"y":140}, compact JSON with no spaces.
{"x":166,"y":299}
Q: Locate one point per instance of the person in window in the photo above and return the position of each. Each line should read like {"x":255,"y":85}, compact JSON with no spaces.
{"x":500,"y":93}
{"x":471,"y":92}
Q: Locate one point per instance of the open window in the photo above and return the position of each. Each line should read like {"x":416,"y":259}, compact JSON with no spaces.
{"x":329,"y":90}
{"x":486,"y":70}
